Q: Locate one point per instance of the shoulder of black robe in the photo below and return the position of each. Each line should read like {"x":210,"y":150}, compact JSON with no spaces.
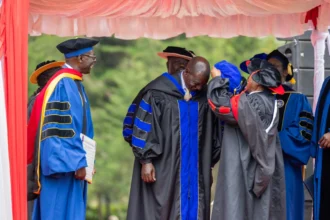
{"x":144,"y":136}
{"x":160,"y":84}
{"x":157,"y":84}
{"x":287,"y":88}
{"x":165,"y":85}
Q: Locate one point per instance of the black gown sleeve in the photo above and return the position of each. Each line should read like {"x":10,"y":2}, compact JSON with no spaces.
{"x":217,"y":140}
{"x":146,"y":130}
{"x":219,"y":99}
{"x":129,"y":118}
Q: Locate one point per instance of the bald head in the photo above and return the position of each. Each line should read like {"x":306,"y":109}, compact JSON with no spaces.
{"x":199,"y":65}
{"x":197,"y":73}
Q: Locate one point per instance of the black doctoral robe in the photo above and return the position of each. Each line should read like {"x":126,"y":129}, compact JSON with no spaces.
{"x":180,"y":139}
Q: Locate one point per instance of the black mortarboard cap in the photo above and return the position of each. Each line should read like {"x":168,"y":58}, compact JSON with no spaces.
{"x":244,"y":65}
{"x":279,"y":56}
{"x":285,"y":62}
{"x":253,"y":65}
{"x":76,"y":47}
{"x":267,"y":76}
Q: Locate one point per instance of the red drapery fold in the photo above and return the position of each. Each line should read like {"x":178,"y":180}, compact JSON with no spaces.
{"x":312,"y":15}
{"x":13,"y":45}
{"x":162,"y":19}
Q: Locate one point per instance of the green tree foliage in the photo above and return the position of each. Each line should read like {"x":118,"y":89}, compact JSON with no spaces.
{"x":122,"y":69}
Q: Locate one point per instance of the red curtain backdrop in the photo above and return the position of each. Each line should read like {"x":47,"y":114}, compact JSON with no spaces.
{"x":162,"y":19}
{"x":13,"y":47}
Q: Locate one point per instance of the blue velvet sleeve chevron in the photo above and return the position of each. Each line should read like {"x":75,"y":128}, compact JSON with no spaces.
{"x":146,"y":130}
{"x":128,"y":123}
{"x":61,"y":149}
{"x":129,"y":118}
{"x":297,"y":129}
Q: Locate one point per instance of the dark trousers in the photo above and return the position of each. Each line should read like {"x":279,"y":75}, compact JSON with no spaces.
{"x":30,"y":209}
{"x":325,"y":186}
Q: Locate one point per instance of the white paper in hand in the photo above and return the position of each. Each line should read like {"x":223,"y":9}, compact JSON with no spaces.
{"x":90,"y":148}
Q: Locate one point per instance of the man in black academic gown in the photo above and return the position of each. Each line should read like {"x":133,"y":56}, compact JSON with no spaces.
{"x":175,"y":144}
{"x":177,"y":60}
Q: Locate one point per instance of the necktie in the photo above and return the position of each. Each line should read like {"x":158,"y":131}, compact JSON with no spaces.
{"x":187,"y":95}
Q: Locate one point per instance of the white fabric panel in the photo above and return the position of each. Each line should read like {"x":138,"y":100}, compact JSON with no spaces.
{"x":318,"y":40}
{"x":5,"y":188}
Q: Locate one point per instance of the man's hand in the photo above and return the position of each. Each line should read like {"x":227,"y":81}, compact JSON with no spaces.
{"x":80,"y":174}
{"x":215,"y":72}
{"x":94,"y":171}
{"x":324,"y":142}
{"x":148,"y":173}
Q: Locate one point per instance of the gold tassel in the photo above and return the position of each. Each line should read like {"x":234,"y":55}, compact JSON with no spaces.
{"x":187,"y":95}
{"x":292,"y":81}
{"x":290,"y":69}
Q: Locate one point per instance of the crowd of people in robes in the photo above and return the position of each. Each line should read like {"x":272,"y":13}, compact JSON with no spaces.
{"x":259,"y":130}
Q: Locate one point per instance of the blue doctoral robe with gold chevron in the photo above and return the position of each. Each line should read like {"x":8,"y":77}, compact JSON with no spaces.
{"x":62,"y":197}
{"x":295,"y":132}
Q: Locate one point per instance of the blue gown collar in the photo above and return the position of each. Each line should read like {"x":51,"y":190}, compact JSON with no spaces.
{"x":177,"y":84}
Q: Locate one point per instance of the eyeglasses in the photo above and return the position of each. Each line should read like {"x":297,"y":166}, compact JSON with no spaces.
{"x":90,"y":56}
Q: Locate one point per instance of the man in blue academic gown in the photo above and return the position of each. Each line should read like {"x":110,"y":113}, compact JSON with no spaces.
{"x":59,"y":157}
{"x":295,"y":132}
{"x":321,"y":151}
{"x":43,"y":72}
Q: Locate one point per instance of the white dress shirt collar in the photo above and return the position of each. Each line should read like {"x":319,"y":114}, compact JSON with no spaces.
{"x":67,"y":66}
{"x":182,"y":81}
